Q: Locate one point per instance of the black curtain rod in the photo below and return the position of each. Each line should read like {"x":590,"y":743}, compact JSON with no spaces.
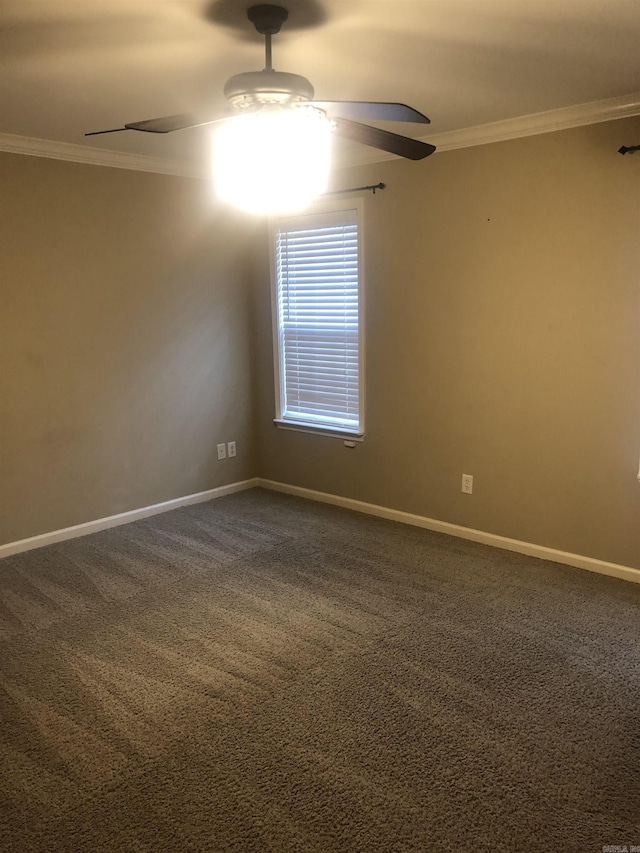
{"x":626,"y":149}
{"x":371,"y":187}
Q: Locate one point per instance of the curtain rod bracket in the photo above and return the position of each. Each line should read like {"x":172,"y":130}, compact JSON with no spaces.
{"x":627,"y":149}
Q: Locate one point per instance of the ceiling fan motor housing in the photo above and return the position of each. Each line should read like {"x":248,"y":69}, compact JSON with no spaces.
{"x":257,"y":88}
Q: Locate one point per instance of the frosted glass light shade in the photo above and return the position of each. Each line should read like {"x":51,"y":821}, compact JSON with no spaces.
{"x":274,"y":161}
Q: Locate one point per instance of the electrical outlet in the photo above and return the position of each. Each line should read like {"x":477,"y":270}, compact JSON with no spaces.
{"x":467,"y":484}
{"x":231,"y":449}
{"x":222,"y":451}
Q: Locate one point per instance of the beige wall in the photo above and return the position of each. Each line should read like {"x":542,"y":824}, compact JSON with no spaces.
{"x":503,"y":341}
{"x":124,"y":343}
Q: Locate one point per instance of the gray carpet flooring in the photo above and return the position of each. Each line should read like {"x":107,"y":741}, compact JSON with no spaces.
{"x":262,"y":673}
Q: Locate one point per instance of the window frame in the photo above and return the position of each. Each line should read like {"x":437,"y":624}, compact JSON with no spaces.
{"x":329,"y":430}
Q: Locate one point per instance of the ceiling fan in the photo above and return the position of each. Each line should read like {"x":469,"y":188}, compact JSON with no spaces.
{"x":260,"y":91}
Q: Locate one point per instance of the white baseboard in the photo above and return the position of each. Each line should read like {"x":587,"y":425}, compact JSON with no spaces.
{"x":544,"y":553}
{"x":122,"y":518}
{"x":578,"y":561}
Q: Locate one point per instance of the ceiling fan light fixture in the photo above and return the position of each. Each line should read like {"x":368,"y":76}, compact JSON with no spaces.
{"x":276,"y":160}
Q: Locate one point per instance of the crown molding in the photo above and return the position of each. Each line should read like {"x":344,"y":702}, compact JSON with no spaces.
{"x":546,"y":122}
{"x":564,"y":118}
{"x":466,"y":137}
{"x":72,"y":153}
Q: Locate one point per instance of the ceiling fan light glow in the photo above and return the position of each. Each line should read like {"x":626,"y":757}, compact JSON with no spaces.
{"x":273,"y":161}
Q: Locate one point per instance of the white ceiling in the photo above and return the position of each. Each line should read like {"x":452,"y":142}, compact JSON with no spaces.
{"x":70,"y":66}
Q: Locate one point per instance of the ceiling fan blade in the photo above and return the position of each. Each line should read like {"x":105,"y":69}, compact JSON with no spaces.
{"x":371,"y":111}
{"x":412,"y":149}
{"x":166,"y":124}
{"x":98,"y":132}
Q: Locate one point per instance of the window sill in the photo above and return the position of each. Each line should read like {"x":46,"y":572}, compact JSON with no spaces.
{"x":328,"y":432}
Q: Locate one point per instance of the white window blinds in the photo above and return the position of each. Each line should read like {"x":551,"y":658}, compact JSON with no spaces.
{"x":317,"y":296}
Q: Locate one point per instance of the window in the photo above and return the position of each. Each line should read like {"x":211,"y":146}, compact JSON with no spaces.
{"x":317,"y":320}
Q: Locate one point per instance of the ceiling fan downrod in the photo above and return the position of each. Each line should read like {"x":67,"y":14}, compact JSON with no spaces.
{"x":267,"y":19}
